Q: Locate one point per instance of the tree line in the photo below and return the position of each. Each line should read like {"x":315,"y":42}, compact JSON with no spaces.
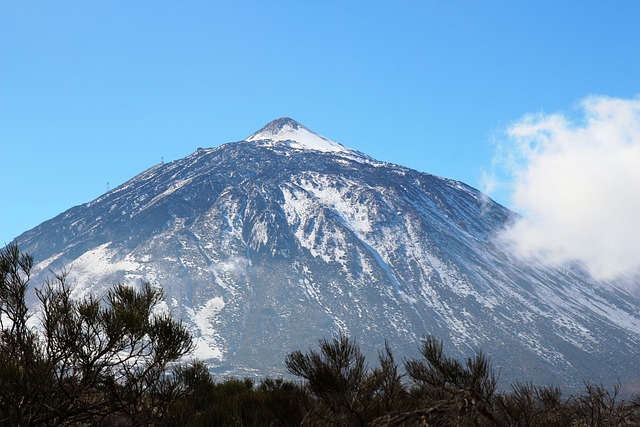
{"x":116,"y":362}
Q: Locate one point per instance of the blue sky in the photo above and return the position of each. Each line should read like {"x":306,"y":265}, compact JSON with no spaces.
{"x":97,"y":92}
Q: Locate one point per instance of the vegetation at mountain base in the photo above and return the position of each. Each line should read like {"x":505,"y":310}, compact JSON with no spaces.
{"x":85,"y":361}
{"x":89,"y":362}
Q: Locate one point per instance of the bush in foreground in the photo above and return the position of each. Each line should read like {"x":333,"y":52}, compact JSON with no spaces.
{"x":84,"y":361}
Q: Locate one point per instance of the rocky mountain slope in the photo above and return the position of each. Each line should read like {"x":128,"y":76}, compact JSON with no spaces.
{"x":265,"y":245}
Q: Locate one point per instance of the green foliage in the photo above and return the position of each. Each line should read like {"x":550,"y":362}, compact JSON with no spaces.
{"x":236,"y":402}
{"x":529,"y":405}
{"x":287,"y":403}
{"x":443,"y":392}
{"x":600,"y":407}
{"x":347,"y":391}
{"x":455,"y":394}
{"x":84,"y":361}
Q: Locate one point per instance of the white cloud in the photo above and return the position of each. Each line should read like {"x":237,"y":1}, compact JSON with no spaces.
{"x":577,"y":184}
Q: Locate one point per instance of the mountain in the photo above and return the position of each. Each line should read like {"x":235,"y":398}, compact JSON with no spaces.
{"x":265,"y":245}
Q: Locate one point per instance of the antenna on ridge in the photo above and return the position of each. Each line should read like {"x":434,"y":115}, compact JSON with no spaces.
{"x":162,"y":160}
{"x":107,"y":186}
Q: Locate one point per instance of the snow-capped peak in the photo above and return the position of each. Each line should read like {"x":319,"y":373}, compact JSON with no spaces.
{"x":295,"y":135}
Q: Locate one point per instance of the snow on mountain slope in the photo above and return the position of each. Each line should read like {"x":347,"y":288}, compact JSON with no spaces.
{"x":265,"y":245}
{"x":296,"y":136}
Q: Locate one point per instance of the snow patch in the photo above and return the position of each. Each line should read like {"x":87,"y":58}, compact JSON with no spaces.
{"x":95,"y":265}
{"x":207,"y":339}
{"x":297,"y":136}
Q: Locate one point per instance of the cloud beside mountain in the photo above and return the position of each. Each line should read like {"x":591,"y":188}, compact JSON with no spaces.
{"x":576,"y":180}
